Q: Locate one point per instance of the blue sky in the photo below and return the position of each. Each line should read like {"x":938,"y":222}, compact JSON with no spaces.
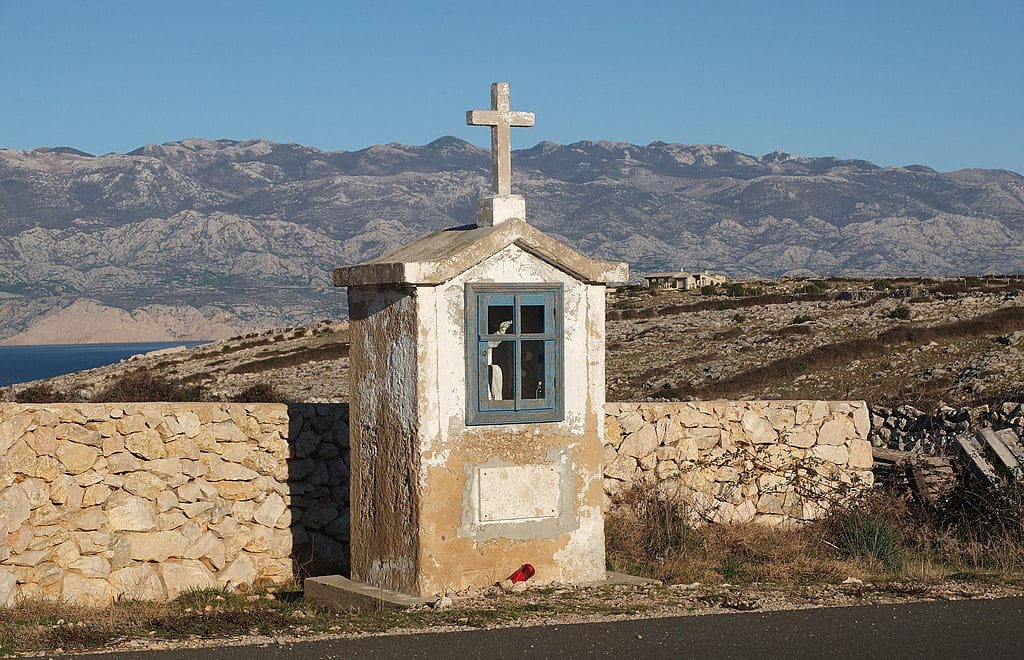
{"x":897,"y":82}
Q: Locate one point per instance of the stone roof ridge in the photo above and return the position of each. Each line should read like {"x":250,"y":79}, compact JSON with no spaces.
{"x":443,"y":255}
{"x":674,"y":273}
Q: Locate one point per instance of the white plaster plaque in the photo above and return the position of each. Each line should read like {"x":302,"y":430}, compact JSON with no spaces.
{"x":518,"y":492}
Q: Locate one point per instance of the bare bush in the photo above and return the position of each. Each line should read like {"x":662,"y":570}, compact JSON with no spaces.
{"x":142,"y":385}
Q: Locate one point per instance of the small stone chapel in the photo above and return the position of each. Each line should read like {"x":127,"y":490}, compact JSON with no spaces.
{"x":477,"y":404}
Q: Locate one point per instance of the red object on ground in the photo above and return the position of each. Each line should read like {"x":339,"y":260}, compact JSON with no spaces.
{"x":524,"y":573}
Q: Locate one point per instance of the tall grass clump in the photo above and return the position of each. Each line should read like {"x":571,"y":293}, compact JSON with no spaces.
{"x":866,"y":534}
{"x":659,"y":537}
{"x":649,"y":525}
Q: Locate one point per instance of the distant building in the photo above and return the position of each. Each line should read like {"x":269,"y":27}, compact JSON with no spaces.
{"x":683,"y":280}
{"x":706,"y":278}
{"x":677,"y":280}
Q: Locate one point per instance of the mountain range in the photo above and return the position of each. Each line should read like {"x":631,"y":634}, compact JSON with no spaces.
{"x":205,"y":238}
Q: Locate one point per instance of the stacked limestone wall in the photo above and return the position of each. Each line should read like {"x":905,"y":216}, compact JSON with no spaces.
{"x":775,"y":462}
{"x":107,"y":501}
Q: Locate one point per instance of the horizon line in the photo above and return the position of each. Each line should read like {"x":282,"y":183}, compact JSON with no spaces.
{"x":70,"y":150}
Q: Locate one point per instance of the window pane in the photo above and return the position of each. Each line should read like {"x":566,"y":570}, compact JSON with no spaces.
{"x":531,"y":319}
{"x":499,"y":320}
{"x":533,"y":383}
{"x":500,"y":370}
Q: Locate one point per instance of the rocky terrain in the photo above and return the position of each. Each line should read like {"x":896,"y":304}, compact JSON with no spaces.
{"x":206,"y":239}
{"x":918,"y":342}
{"x":890,"y":342}
{"x":302,"y":364}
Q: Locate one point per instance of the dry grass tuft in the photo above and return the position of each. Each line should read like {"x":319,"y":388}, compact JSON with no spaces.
{"x":883,"y":536}
{"x":47,"y":625}
{"x":649,"y":535}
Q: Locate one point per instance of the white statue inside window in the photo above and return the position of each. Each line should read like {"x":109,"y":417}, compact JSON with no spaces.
{"x":500,"y":355}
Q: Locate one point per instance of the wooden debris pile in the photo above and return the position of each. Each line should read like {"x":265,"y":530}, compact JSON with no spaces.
{"x":992,"y":458}
{"x":996,"y":458}
{"x":929,"y":478}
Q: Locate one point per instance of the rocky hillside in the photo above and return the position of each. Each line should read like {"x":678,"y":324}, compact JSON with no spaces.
{"x":204,"y":238}
{"x":890,"y":342}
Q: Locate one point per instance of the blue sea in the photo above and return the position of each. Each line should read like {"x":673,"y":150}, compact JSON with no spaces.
{"x":23,"y":363}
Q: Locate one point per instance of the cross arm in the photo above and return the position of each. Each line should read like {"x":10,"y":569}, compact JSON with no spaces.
{"x":482,"y":117}
{"x":517,"y":118}
{"x":493,"y":117}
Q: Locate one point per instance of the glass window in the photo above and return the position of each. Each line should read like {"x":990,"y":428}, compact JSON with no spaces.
{"x":499,"y":319}
{"x":533,"y":369}
{"x":514,"y":340}
{"x":531,"y":319}
{"x":501,"y":357}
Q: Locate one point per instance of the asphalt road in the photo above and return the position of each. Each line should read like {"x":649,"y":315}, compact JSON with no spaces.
{"x":959,"y":629}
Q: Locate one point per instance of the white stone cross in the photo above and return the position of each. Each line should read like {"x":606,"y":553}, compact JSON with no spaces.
{"x":501,"y":120}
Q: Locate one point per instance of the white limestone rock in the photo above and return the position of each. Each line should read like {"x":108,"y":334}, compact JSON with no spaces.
{"x":270,"y":511}
{"x":641,"y":443}
{"x":9,"y":591}
{"x":241,"y":571}
{"x":146,"y":443}
{"x":129,"y":513}
{"x":185,"y":575}
{"x":144,"y":484}
{"x":623,"y":468}
{"x":77,"y":458}
{"x":217,"y":469}
{"x":157,"y":546}
{"x":138,"y":583}
{"x":15,"y":507}
{"x":860,"y":457}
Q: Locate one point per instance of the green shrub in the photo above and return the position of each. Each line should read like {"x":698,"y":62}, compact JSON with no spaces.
{"x":867,"y":534}
{"x":262,"y":392}
{"x":812,"y":287}
{"x":901,"y":312}
{"x":738,"y":318}
{"x":709,"y":290}
{"x":737,"y":290}
{"x":881,"y":285}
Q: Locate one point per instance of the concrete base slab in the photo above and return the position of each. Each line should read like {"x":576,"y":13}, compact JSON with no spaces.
{"x":340,"y":593}
{"x":611,"y":578}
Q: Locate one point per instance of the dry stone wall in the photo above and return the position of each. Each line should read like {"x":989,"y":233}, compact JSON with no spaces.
{"x":909,"y":429}
{"x":773,"y":462}
{"x":144,"y":500}
{"x":109,"y":501}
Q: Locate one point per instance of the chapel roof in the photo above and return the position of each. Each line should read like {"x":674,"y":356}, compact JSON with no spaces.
{"x":443,"y":255}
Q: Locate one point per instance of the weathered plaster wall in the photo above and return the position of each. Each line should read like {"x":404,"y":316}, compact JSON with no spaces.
{"x":107,"y":501}
{"x":453,"y":555}
{"x":385,"y":422}
{"x":772,"y":462}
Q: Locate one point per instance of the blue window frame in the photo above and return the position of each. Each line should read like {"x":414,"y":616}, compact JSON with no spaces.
{"x":514,"y":369}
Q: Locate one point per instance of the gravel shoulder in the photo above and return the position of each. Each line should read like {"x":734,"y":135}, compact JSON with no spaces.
{"x":547,"y":606}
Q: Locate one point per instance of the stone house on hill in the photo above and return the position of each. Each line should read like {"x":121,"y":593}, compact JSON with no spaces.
{"x":683,"y":280}
{"x":677,"y":280}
